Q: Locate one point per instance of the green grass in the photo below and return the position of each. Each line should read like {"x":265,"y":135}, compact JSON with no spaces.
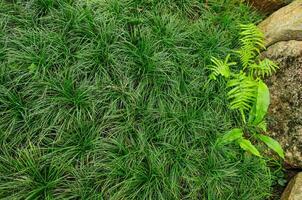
{"x":107,"y":99}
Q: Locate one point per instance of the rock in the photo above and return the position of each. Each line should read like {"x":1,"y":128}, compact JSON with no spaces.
{"x":283,"y":25}
{"x":294,"y":189}
{"x":268,"y":6}
{"x":285,"y":113}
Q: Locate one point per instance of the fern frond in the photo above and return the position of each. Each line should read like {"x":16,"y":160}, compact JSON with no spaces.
{"x":264,"y":68}
{"x":221,"y":67}
{"x":252,"y":42}
{"x":263,"y":125}
{"x":247,"y":54}
{"x":251,"y":35}
{"x":243,"y":92}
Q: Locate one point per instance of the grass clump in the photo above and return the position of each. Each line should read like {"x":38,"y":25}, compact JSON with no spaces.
{"x":108,"y":100}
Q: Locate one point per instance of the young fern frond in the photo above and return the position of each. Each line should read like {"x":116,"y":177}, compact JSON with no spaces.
{"x":247,"y":54}
{"x":242,"y":93}
{"x":252,"y":41}
{"x":251,"y":35}
{"x":264,"y":68}
{"x":221,"y":67}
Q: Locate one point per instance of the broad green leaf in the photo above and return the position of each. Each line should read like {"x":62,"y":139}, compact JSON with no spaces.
{"x":232,"y":135}
{"x":272,"y":144}
{"x":259,"y":110}
{"x":248,"y":146}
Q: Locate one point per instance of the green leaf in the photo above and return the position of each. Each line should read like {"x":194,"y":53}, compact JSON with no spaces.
{"x":272,"y":144}
{"x":232,"y":135}
{"x":248,"y":146}
{"x":259,"y":110}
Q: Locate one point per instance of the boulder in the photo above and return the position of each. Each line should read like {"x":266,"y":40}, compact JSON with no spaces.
{"x":284,"y":24}
{"x":268,"y":6}
{"x":293,"y":190}
{"x":285,"y":112}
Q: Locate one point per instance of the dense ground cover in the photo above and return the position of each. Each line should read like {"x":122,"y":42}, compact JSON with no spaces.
{"x":109,"y":99}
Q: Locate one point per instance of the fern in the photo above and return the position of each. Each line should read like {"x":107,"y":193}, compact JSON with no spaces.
{"x":264,"y":68}
{"x":247,"y":92}
{"x":263,"y":126}
{"x":246,"y":54}
{"x":252,"y":42}
{"x":252,"y":36}
{"x":243,"y":85}
{"x":243,"y":93}
{"x":221,"y":67}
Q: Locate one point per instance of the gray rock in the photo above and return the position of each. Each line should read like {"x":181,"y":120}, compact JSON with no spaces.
{"x":294,"y":189}
{"x":285,"y":113}
{"x":284,"y":24}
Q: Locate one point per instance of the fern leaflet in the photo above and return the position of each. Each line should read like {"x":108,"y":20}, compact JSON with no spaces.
{"x":242,"y":93}
{"x":264,"y":68}
{"x":252,"y":40}
{"x":252,"y":36}
{"x":221,"y":67}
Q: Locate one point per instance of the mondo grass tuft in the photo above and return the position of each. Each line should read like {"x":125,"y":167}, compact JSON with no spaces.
{"x":110,"y":99}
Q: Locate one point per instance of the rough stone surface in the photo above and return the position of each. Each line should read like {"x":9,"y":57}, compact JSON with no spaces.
{"x":294,"y":189}
{"x":268,"y":6}
{"x":284,"y":24}
{"x":285,"y":113}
